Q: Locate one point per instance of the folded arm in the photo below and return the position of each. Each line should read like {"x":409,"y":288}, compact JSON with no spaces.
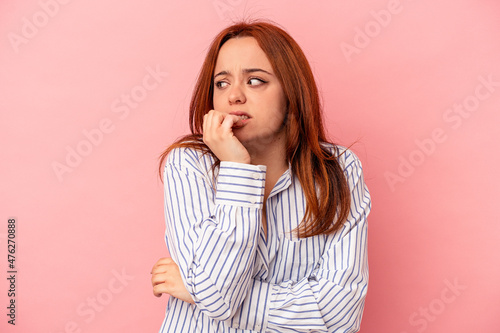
{"x":213,"y":236}
{"x":331,"y":298}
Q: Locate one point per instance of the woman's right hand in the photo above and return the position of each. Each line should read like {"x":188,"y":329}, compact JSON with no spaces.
{"x":166,"y":279}
{"x":219,"y":137}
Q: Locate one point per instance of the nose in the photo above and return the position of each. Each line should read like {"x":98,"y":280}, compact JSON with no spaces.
{"x":236,"y":95}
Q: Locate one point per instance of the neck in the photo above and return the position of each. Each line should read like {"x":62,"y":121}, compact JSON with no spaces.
{"x":271,"y":154}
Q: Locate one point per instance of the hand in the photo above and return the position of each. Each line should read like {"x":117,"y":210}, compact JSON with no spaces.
{"x":166,"y":279}
{"x":219,"y":137}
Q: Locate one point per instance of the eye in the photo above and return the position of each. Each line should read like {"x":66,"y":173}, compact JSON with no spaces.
{"x":256,"y":82}
{"x":221,"y":84}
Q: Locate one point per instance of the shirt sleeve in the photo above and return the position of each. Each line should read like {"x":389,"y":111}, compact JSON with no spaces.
{"x":213,"y":236}
{"x":331,"y":298}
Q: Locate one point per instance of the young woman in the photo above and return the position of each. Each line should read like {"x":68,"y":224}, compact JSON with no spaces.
{"x":265,"y":220}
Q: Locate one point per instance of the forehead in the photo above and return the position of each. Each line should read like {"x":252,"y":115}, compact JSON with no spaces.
{"x":242,"y":52}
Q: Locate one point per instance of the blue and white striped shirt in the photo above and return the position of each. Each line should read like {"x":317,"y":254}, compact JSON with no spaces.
{"x":242,"y":282}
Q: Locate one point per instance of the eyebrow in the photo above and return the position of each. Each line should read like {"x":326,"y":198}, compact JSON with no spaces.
{"x":246,"y":71}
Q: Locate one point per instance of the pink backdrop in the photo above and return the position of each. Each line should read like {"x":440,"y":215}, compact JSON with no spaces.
{"x":92,"y":91}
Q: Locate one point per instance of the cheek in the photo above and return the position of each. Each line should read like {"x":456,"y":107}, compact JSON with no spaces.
{"x":276,"y":119}
{"x":279,"y":110}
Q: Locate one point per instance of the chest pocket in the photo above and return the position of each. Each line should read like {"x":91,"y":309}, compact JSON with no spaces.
{"x":296,"y":259}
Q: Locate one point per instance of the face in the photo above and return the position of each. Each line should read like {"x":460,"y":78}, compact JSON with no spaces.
{"x":245,"y":85}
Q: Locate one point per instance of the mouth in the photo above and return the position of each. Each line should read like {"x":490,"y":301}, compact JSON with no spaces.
{"x":244,"y":118}
{"x":241,"y":114}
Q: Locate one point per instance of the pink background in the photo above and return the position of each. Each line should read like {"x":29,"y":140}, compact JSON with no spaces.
{"x":393,"y":76}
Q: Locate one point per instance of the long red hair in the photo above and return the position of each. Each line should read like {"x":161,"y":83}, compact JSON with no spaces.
{"x":319,"y":172}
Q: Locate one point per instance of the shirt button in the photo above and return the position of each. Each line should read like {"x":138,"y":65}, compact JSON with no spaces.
{"x":256,"y":176}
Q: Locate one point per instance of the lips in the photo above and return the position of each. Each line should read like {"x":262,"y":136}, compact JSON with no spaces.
{"x":241,"y":114}
{"x":244,"y":118}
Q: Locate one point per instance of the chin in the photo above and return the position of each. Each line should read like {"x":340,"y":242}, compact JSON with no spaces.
{"x":256,"y":141}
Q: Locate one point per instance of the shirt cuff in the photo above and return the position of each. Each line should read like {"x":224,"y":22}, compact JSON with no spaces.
{"x":241,"y":184}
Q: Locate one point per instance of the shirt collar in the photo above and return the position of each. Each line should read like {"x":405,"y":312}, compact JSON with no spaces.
{"x":284,"y":181}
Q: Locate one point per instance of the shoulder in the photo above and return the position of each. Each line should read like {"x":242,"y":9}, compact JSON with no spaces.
{"x":347,"y":159}
{"x":353,"y":172}
{"x":182,"y":155}
{"x":189,"y":159}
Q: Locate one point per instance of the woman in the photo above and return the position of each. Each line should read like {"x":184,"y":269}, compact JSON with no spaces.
{"x":265,"y":220}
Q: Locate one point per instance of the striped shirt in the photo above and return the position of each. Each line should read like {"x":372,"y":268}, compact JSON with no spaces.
{"x":243,"y":282}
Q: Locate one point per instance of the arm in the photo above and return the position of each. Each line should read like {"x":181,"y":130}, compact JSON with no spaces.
{"x":331,"y":298}
{"x":213,"y":237}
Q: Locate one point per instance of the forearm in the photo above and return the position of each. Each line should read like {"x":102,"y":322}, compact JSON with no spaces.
{"x":305,"y":306}
{"x":214,"y":239}
{"x":329,"y":299}
{"x":219,"y":272}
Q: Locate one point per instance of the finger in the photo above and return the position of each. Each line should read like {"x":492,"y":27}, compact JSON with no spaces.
{"x":159,"y":279}
{"x":208,"y":125}
{"x":204,"y":124}
{"x":160,"y":289}
{"x":231,"y":121}
{"x":161,"y":262}
{"x":164,"y":260}
{"x":206,"y":120}
{"x":216,"y":120}
{"x":164,"y":268}
{"x":160,"y":269}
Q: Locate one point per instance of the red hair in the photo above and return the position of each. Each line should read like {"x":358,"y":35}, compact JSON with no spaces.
{"x":318,"y":170}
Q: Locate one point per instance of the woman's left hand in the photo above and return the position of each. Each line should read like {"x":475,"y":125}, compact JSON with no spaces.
{"x":166,"y":279}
